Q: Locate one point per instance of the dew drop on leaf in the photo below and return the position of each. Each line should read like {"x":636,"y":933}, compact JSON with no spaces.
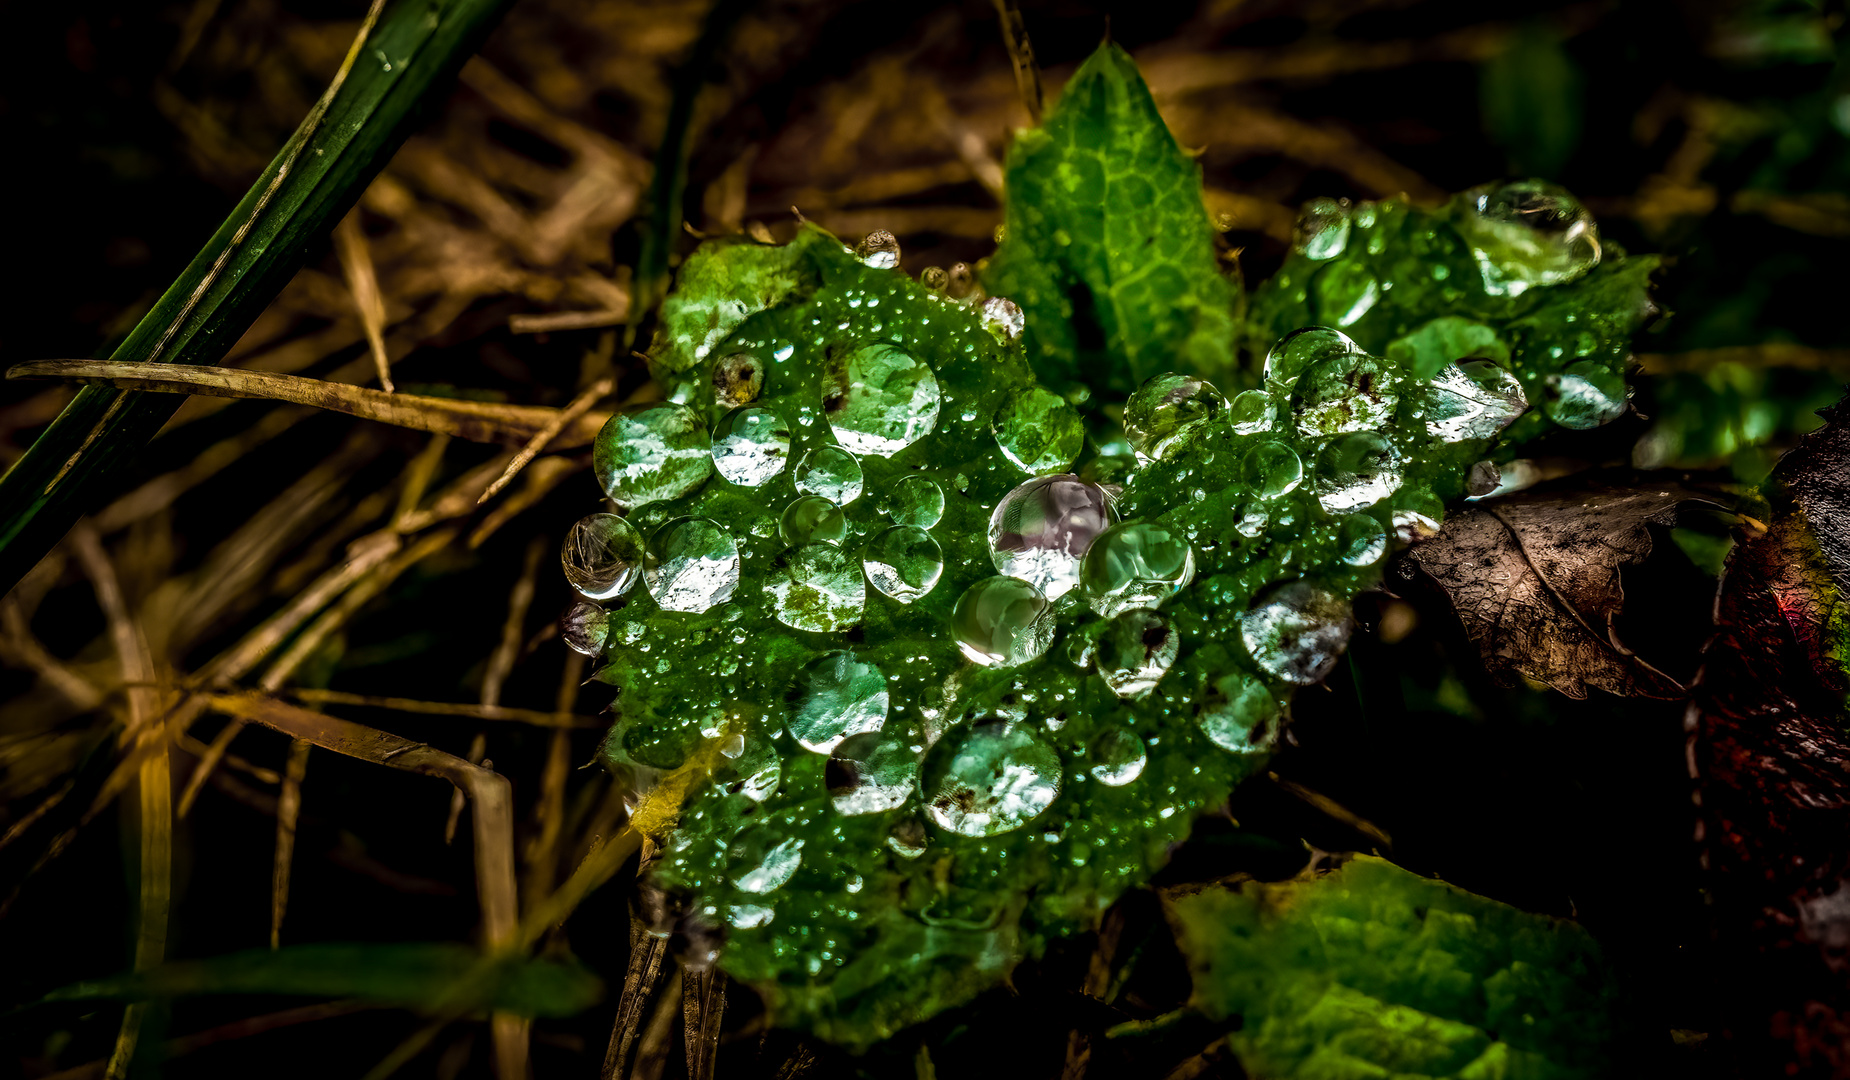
{"x":585,"y":627}
{"x":1344,"y":292}
{"x":601,"y":556}
{"x":738,"y":379}
{"x":870,"y":773}
{"x":1417,"y":516}
{"x":761,"y":859}
{"x":879,"y":399}
{"x":1164,"y":408}
{"x":1301,"y":348}
{"x":1356,"y":471}
{"x":1003,"y":318}
{"x":1002,"y":622}
{"x":1137,"y":564}
{"x":903,"y":562}
{"x":652,"y":453}
{"x":691,"y":564}
{"x":1038,"y":431}
{"x":1344,"y":393}
{"x":1136,"y":651}
{"x":916,"y":500}
{"x":1527,"y":233}
{"x":812,"y":519}
{"x":1240,"y":715}
{"x":832,"y":473}
{"x":817,"y":587}
{"x":1040,"y":531}
{"x":878,"y":249}
{"x":1271,"y":469}
{"x":1322,"y":230}
{"x":990,"y":778}
{"x":1360,"y":540}
{"x":836,"y":696}
{"x":1252,"y":413}
{"x":1296,"y":631}
{"x":1584,"y":396}
{"x":750,"y":446}
{"x":1117,"y":755}
{"x":1471,"y":400}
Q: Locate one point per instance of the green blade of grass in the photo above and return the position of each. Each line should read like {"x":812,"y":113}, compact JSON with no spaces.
{"x":405,"y":57}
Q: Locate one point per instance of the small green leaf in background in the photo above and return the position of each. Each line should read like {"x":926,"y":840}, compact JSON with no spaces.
{"x":410,"y":974}
{"x":1372,"y":971}
{"x":1530,"y":97}
{"x":1108,"y":247}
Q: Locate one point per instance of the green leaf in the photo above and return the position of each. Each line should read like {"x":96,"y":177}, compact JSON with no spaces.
{"x":408,"y":57}
{"x":1371,"y":971}
{"x":410,"y":974}
{"x":1530,"y":96}
{"x":1108,"y":248}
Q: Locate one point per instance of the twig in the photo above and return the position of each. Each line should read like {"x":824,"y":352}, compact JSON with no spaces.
{"x":448,"y":708}
{"x":356,"y":263}
{"x":579,"y":405}
{"x":288,"y":808}
{"x":1021,"y":55}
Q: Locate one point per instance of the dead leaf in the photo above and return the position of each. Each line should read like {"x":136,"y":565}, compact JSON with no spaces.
{"x":1534,"y":578}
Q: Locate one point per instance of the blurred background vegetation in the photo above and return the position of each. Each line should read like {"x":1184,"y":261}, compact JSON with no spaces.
{"x":504,"y":237}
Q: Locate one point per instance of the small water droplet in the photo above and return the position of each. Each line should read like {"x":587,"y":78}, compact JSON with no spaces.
{"x":1252,"y":413}
{"x":934,"y":278}
{"x":1164,"y":409}
{"x":916,"y":500}
{"x":601,"y":556}
{"x":1271,"y":469}
{"x":1136,"y":651}
{"x":1475,"y":399}
{"x":1360,"y":540}
{"x":1240,"y":715}
{"x":1344,"y":393}
{"x":1526,"y":233}
{"x":1296,"y":631}
{"x":1322,"y":229}
{"x":691,"y":564}
{"x":903,"y":562}
{"x":1040,"y":531}
{"x":812,"y":519}
{"x":585,"y":627}
{"x":750,"y":446}
{"x":738,"y":379}
{"x":995,"y":777}
{"x":1356,"y":471}
{"x":831,"y":472}
{"x":1003,"y":318}
{"x":836,"y":696}
{"x":1345,"y":292}
{"x":761,"y":860}
{"x":1301,"y":348}
{"x":1117,"y":755}
{"x":1584,"y":396}
{"x":1002,"y":622}
{"x":878,"y":249}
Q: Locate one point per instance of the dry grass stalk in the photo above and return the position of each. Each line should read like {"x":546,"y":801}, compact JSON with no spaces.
{"x":356,"y":262}
{"x":703,"y":1005}
{"x":556,"y":719}
{"x":579,"y":406}
{"x":288,"y":807}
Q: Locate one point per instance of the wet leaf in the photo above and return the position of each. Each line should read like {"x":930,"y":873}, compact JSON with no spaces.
{"x":1108,"y":248}
{"x":1534,"y":578}
{"x":1770,"y":752}
{"x":1371,"y":971}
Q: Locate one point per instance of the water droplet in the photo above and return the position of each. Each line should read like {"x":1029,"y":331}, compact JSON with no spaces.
{"x":585,"y":627}
{"x":601,"y":556}
{"x":1002,"y":622}
{"x":879,"y":399}
{"x":749,"y":916}
{"x":1271,"y":469}
{"x":1483,"y":479}
{"x":1003,"y":318}
{"x":1038,"y":431}
{"x":1136,"y":651}
{"x":934,"y":278}
{"x":1344,"y":393}
{"x":1040,"y":531}
{"x":750,"y":446}
{"x":1527,"y":233}
{"x":836,"y":696}
{"x":903,"y":562}
{"x":996,"y":777}
{"x":1417,"y":516}
{"x":812,"y":519}
{"x":1584,"y":396}
{"x":916,"y":500}
{"x":1471,"y":400}
{"x":1164,"y":408}
{"x":1252,"y":413}
{"x":831,"y":472}
{"x":1360,"y":540}
{"x":1356,"y":472}
{"x":761,"y":859}
{"x":652,"y":453}
{"x":1296,"y":631}
{"x":1138,"y":564}
{"x":908,"y":838}
{"x":817,"y":587}
{"x":1240,"y":715}
{"x":870,"y":773}
{"x":878,"y":249}
{"x":1345,"y":291}
{"x":748,"y":763}
{"x":1301,"y":348}
{"x":1117,"y":755}
{"x":738,"y":379}
{"x":1322,"y":229}
{"x":691,"y":564}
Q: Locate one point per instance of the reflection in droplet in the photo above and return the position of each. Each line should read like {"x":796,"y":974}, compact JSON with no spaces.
{"x":879,"y":399}
{"x":903,"y":562}
{"x":934,"y":278}
{"x":738,"y":379}
{"x":1417,"y":516}
{"x":812,"y":519}
{"x":1475,"y":399}
{"x":831,"y":472}
{"x":1002,"y":622}
{"x":1301,"y":348}
{"x":585,"y":627}
{"x":1240,"y":715}
{"x":1356,"y":472}
{"x":748,"y":763}
{"x":878,"y":249}
{"x":651,"y":453}
{"x":1296,"y":631}
{"x":750,"y":446}
{"x":761,"y":860}
{"x":870,"y":773}
{"x":691,"y":564}
{"x":1322,"y":229}
{"x":1584,"y":396}
{"x":1040,"y":531}
{"x":817,"y":587}
{"x":916,"y":500}
{"x":836,"y":696}
{"x":1360,"y":540}
{"x":1252,"y":413}
{"x":990,"y":779}
{"x":1271,"y":469}
{"x":749,"y":916}
{"x":1003,"y":317}
{"x":1527,"y":233}
{"x":1340,"y":394}
{"x":1117,"y":755}
{"x":1038,"y":431}
{"x":1136,"y":650}
{"x":1134,"y":565}
{"x":601,"y":556}
{"x":908,"y":838}
{"x":1164,"y":408}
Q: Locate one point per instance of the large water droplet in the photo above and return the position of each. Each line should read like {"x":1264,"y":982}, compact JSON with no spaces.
{"x":878,"y":249}
{"x":836,"y":696}
{"x":879,"y":399}
{"x":903,"y":562}
{"x":1360,"y":540}
{"x":1584,"y":396}
{"x":916,"y":500}
{"x":1165,"y":408}
{"x":1271,"y":469}
{"x":1475,"y":399}
{"x":1296,"y":631}
{"x":1002,"y":622}
{"x":1040,"y":531}
{"x":761,"y":859}
{"x":601,"y":556}
{"x":1252,"y":413}
{"x":652,"y":453}
{"x":995,"y":777}
{"x":1356,"y":472}
{"x":1038,"y":431}
{"x":1301,"y":348}
{"x":1527,"y":233}
{"x":585,"y":627}
{"x":691,"y":564}
{"x":1117,"y":755}
{"x":812,"y":519}
{"x":1002,"y":317}
{"x":817,"y":587}
{"x":1137,"y":564}
{"x":750,"y":446}
{"x":870,"y":773}
{"x":1340,"y":394}
{"x":831,"y":472}
{"x":1136,"y":650}
{"x":1322,"y":229}
{"x":1240,"y":715}
{"x":738,"y":379}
